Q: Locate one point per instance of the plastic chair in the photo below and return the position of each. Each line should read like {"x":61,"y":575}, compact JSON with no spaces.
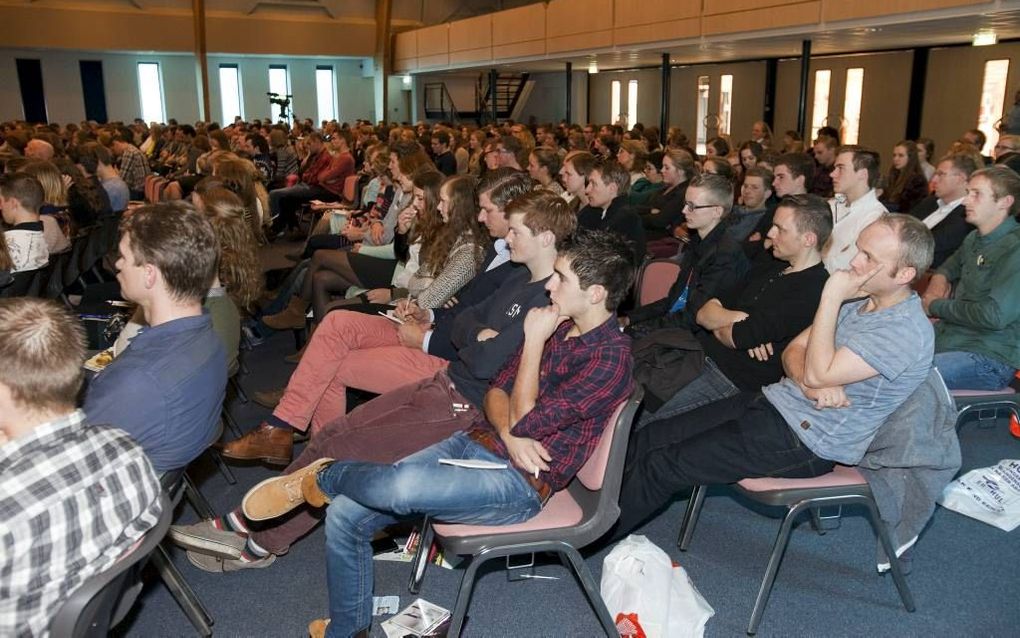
{"x":655,"y":279}
{"x":104,"y":599}
{"x":350,"y":192}
{"x":573,"y":518}
{"x":22,"y":285}
{"x":178,"y":485}
{"x":843,"y":486}
{"x":983,"y":401}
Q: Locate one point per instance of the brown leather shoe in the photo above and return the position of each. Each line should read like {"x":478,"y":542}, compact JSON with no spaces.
{"x":317,"y":628}
{"x":268,"y":398}
{"x":265,"y":443}
{"x":290,"y":318}
{"x":277,"y":496}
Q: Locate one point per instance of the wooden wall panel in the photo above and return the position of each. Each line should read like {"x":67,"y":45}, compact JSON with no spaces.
{"x":433,"y":41}
{"x":259,"y":36}
{"x":432,"y":61}
{"x":473,"y":33}
{"x":758,"y":19}
{"x":522,"y":24}
{"x":714,"y":7}
{"x":834,"y":10}
{"x":580,"y":42}
{"x":670,"y":30}
{"x":68,"y":28}
{"x":405,"y":45}
{"x":631,"y":13}
{"x":572,"y":17}
{"x":518,"y":50}
{"x":471,"y":55}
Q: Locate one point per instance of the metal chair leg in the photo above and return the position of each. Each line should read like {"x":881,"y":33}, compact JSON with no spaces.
{"x":197,"y":499}
{"x":691,"y":514}
{"x":182,"y":592}
{"x":224,"y":469}
{"x":890,"y":552}
{"x":238,"y":389}
{"x":421,"y":556}
{"x":467,"y":585}
{"x":778,"y":549}
{"x":591,"y":589}
{"x":231,"y":423}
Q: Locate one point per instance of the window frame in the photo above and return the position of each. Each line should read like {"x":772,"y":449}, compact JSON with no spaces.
{"x":160,"y":88}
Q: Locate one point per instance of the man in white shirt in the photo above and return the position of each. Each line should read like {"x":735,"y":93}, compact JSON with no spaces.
{"x":21,"y":195}
{"x":944,"y":211}
{"x":855,"y":205}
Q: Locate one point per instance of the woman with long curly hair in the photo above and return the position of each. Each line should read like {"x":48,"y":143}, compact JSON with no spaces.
{"x":239,"y":271}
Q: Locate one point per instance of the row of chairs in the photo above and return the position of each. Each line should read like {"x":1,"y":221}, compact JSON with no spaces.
{"x":69,"y":267}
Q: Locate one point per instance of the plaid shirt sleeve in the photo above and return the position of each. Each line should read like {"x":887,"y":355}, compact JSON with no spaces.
{"x":73,"y":499}
{"x":597,"y":383}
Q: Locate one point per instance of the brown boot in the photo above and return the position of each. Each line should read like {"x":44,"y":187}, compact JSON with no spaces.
{"x":265,"y":443}
{"x":290,"y":318}
{"x":268,"y":398}
{"x":296,"y":357}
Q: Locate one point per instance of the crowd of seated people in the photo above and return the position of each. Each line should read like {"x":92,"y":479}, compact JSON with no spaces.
{"x":503,"y":258}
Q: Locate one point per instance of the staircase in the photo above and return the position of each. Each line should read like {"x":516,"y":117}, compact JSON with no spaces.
{"x":510,"y":88}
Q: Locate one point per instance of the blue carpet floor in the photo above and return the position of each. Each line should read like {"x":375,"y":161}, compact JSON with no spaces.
{"x":965,"y":573}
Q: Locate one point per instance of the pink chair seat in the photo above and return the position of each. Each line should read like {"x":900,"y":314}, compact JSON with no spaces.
{"x":561,"y":511}
{"x":982,"y":393}
{"x":841,"y":476}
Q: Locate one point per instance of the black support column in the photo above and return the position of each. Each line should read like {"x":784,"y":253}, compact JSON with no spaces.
{"x":915,"y":103}
{"x":569,"y":93}
{"x":805,"y":70}
{"x":664,"y":116}
{"x":493,"y":76}
{"x":768,"y":108}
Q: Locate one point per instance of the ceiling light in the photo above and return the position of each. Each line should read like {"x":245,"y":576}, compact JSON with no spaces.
{"x":593,"y":67}
{"x":407,"y":80}
{"x":985,"y":37}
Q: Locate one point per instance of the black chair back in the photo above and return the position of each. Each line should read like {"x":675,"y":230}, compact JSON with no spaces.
{"x":105,"y":598}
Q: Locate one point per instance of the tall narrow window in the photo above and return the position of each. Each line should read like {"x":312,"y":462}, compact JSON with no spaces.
{"x":993,"y":94}
{"x":725,"y":103}
{"x":702,"y":136}
{"x":614,"y":102}
{"x":852,"y":105}
{"x":820,"y":107}
{"x":279,"y":83}
{"x":325,"y":92}
{"x":230,"y":93}
{"x":150,"y":92}
{"x":631,"y":103}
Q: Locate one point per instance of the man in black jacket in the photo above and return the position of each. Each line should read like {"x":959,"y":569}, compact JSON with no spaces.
{"x":944,"y":212}
{"x":608,"y":209}
{"x":711,"y":263}
{"x":743,"y":331}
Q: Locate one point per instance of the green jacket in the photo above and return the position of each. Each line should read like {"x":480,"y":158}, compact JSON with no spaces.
{"x":983,"y":315}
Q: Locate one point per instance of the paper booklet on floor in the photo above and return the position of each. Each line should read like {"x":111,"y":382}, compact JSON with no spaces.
{"x":421,"y":618}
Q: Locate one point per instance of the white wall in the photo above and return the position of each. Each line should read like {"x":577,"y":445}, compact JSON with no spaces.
{"x":63,"y":91}
{"x":649,"y":104}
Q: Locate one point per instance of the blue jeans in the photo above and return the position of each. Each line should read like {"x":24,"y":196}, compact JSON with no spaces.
{"x":369,"y":496}
{"x":972,"y":371}
{"x":711,"y":385}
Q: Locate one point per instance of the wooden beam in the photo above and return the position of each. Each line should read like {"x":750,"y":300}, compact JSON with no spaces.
{"x":383,"y":58}
{"x":201,"y":63}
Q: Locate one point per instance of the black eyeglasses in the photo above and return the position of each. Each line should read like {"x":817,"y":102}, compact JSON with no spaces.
{"x":691,"y":206}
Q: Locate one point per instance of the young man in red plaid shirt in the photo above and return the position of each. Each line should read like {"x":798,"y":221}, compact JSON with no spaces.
{"x":543,"y":416}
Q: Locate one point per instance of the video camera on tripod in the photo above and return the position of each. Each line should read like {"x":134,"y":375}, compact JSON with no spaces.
{"x":282,"y":102}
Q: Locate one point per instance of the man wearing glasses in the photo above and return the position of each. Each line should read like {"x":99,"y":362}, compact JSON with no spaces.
{"x":711,"y":263}
{"x":944,"y":211}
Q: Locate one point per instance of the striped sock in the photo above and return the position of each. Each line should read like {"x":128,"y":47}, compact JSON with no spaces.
{"x":233,"y":522}
{"x":253,"y":551}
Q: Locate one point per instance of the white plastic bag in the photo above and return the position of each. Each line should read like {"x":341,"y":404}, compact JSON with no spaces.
{"x":648,"y":596}
{"x":990,"y":494}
